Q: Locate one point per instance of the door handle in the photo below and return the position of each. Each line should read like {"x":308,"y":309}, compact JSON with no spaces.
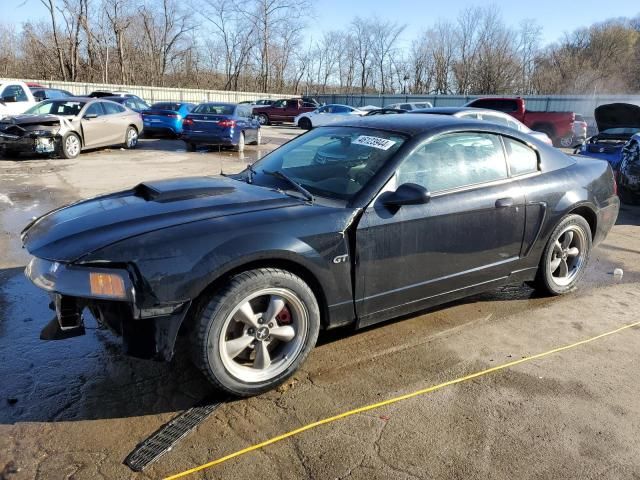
{"x":504,"y":202}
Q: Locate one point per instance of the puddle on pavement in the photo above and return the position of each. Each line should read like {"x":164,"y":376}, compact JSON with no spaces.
{"x":81,"y":378}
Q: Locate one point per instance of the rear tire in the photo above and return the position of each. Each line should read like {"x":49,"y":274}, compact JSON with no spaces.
{"x":70,"y":146}
{"x":565,"y":256}
{"x":131,"y":138}
{"x":256,"y":331}
{"x":305,"y":124}
{"x":191,"y":147}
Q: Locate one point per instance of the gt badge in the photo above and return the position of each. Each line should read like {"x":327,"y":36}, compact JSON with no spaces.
{"x":341,"y":259}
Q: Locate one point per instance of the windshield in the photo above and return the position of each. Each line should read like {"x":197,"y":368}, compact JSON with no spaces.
{"x":56,"y":107}
{"x":333,"y":162}
{"x":214,"y":109}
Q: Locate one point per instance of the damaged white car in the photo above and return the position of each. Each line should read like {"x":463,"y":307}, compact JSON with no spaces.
{"x":67,"y":126}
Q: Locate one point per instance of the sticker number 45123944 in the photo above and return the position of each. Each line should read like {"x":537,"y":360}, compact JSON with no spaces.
{"x":375,"y":142}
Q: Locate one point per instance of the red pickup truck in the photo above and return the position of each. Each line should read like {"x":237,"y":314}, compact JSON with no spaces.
{"x":557,"y":125}
{"x":282,"y":110}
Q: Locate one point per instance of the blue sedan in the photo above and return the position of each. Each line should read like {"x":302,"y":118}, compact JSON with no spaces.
{"x":166,"y":118}
{"x":223,"y":124}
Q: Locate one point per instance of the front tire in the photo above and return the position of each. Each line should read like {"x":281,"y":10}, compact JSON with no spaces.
{"x":70,"y":146}
{"x":255,"y":332}
{"x":263,"y":119}
{"x":565,"y":257}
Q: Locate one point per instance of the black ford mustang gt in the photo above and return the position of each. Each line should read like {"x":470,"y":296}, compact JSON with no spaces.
{"x":412,"y":211}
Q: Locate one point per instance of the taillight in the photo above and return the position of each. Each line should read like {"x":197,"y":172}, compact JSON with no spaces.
{"x":227,"y":123}
{"x":187,"y":122}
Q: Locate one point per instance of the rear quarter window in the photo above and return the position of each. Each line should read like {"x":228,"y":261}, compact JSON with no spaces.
{"x":521,"y":158}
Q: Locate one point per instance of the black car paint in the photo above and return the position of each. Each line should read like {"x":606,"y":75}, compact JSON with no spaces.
{"x":363,"y":260}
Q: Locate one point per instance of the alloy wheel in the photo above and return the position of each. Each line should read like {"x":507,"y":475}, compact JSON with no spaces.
{"x":72,"y":145}
{"x":263,"y":335}
{"x":132,"y":138}
{"x":568,"y":255}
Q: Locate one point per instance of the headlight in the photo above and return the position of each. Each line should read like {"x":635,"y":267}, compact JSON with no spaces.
{"x":43,"y":132}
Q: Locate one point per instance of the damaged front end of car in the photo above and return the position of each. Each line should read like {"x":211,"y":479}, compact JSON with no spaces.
{"x":110,"y":296}
{"x":32,"y":134}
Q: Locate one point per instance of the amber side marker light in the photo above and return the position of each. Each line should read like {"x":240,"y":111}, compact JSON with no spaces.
{"x":107,"y":285}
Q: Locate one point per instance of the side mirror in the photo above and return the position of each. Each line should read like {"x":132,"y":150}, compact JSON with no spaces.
{"x":10,"y":99}
{"x":406,"y":194}
{"x":89,"y":116}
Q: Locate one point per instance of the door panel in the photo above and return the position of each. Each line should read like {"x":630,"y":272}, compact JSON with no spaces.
{"x":470,"y":232}
{"x":418,"y":251}
{"x":93,"y":130}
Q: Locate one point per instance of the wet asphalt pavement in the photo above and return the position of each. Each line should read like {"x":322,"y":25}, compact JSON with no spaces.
{"x":76,"y":408}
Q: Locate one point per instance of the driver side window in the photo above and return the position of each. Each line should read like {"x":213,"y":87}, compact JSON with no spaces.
{"x":455,"y":160}
{"x":94,"y":109}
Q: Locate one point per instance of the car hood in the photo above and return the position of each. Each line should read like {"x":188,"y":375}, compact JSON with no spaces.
{"x":71,"y":232}
{"x":27,"y":119}
{"x":617,"y":115}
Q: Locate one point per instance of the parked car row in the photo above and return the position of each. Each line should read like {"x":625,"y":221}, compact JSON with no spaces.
{"x":618,"y":142}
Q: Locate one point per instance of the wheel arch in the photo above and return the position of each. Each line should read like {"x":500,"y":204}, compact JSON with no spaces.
{"x":290,"y":265}
{"x":589,"y":214}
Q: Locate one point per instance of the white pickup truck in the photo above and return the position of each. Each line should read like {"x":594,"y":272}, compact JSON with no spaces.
{"x":15,"y":98}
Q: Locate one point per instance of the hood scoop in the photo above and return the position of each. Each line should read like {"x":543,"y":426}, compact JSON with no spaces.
{"x":186,"y":189}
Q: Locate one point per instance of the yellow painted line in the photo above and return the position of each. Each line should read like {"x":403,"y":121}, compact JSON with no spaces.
{"x":393,"y":400}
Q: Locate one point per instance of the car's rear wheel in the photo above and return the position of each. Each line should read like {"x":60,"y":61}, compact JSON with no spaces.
{"x":567,"y":141}
{"x":240,"y":146}
{"x":70,"y":146}
{"x":305,"y":123}
{"x":131,"y":137}
{"x":191,"y":147}
{"x":263,"y":119}
{"x":256,"y":331}
{"x":565,"y":257}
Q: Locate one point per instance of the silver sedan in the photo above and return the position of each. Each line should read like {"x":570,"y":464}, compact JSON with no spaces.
{"x":78,"y":123}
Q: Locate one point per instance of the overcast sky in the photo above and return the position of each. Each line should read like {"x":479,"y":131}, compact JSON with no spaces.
{"x":555,"y":16}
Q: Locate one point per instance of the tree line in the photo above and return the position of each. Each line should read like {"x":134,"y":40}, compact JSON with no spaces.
{"x":264,"y":45}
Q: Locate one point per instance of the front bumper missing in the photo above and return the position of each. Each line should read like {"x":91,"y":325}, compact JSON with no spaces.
{"x":29,"y":143}
{"x":148,"y":333}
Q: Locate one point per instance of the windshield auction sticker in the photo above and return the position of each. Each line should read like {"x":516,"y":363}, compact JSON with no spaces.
{"x":375,"y":142}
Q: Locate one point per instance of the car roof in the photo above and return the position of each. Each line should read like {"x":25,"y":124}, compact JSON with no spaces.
{"x":450,"y":110}
{"x":226,"y":104}
{"x":414,"y":123}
